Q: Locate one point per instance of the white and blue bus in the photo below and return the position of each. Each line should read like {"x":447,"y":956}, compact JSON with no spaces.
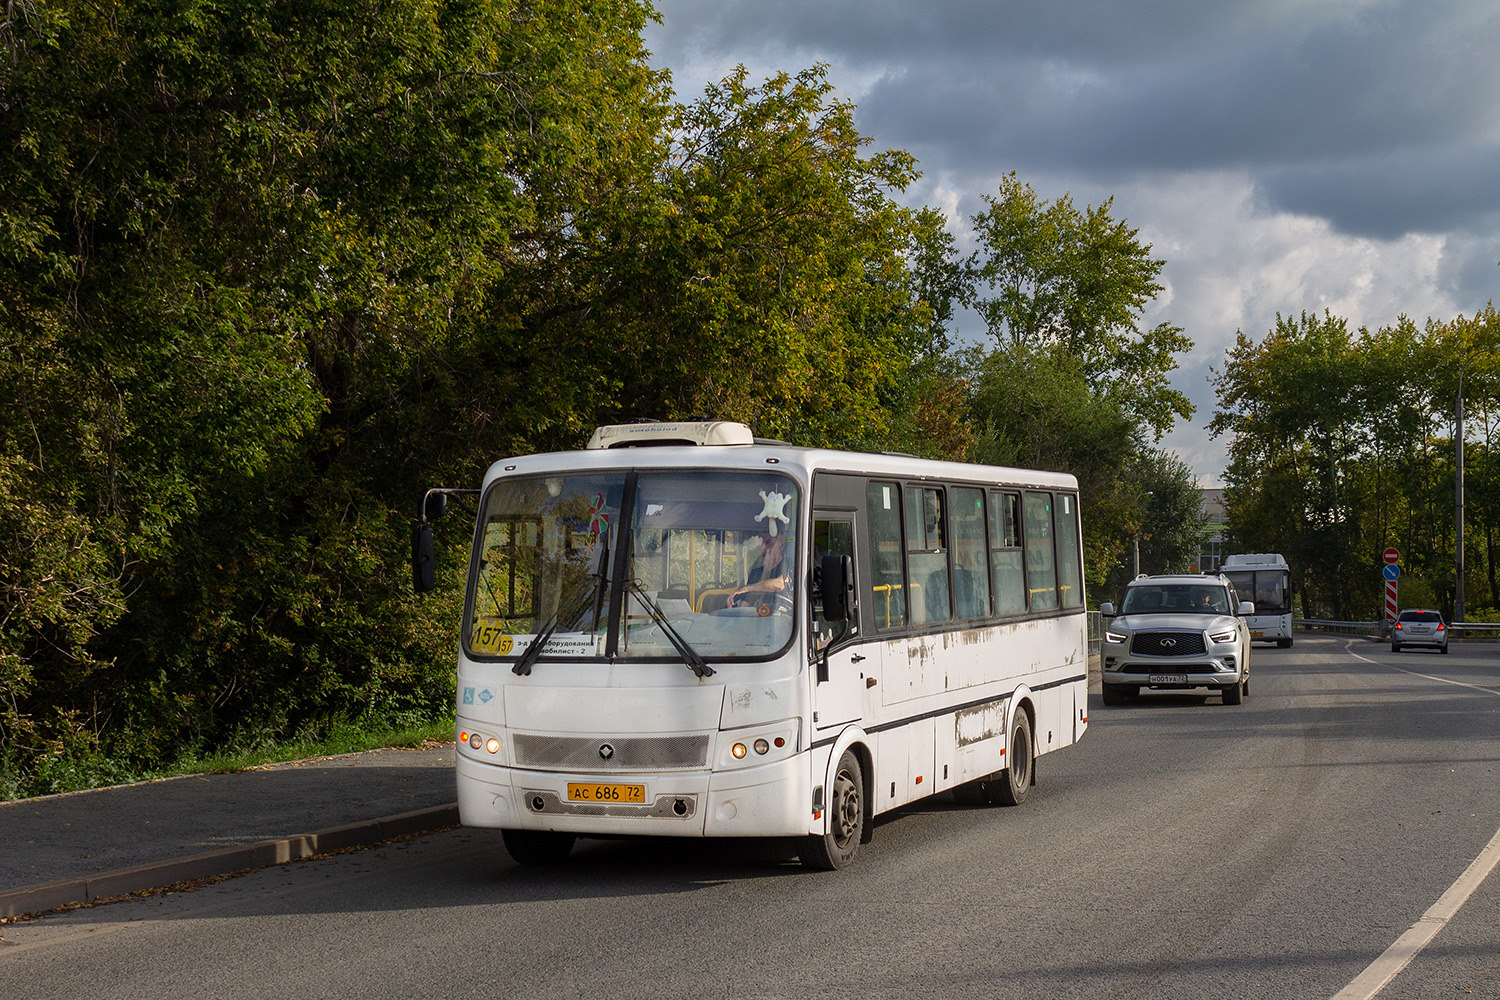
{"x":1266,"y":579}
{"x":685,"y":631}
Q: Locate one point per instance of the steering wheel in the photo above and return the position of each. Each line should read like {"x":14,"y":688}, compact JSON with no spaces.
{"x":765,"y":602}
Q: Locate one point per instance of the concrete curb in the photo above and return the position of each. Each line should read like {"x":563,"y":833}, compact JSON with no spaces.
{"x":142,"y":878}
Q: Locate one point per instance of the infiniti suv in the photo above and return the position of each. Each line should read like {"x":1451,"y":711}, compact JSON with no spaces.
{"x":1176,"y":633}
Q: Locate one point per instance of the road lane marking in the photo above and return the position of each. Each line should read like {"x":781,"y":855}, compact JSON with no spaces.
{"x":1379,"y":973}
{"x":1414,"y":673}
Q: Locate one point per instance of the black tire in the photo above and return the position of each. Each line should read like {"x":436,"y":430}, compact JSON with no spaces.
{"x":1395,"y":647}
{"x":1117,"y":694}
{"x":846,"y":819}
{"x":1443,"y":648}
{"x":1284,"y":643}
{"x":1009,"y":787}
{"x":1234,"y":694}
{"x":537,"y":847}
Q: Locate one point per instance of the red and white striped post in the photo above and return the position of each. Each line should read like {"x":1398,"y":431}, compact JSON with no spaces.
{"x":1391,"y":572}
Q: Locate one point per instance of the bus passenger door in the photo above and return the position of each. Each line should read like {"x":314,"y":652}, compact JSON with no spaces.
{"x":838,"y":691}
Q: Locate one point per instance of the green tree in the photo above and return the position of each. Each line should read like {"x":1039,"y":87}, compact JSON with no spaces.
{"x":240,"y":250}
{"x":1050,"y":276}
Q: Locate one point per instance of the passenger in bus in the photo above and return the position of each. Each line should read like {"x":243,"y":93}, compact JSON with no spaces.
{"x":768,"y":572}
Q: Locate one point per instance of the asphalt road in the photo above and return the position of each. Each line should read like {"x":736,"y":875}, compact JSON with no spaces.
{"x":1183,"y":849}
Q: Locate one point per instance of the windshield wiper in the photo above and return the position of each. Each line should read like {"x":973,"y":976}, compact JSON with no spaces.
{"x":695,"y":662}
{"x":579,"y":596}
{"x":574,"y":601}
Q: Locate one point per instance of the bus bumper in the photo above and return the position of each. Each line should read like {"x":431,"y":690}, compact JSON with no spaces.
{"x":772,"y":800}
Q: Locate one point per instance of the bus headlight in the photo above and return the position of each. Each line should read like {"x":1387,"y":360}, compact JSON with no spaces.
{"x":759,"y":744}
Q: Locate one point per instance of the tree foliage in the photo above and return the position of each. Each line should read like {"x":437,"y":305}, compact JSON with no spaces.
{"x":1341,"y":444}
{"x":268,"y":270}
{"x":1054,"y":278}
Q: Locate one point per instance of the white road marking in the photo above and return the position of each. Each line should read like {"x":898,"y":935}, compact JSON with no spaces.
{"x":1429,"y":677}
{"x":1379,"y":973}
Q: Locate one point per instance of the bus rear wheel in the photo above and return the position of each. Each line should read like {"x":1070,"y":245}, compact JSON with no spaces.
{"x":537,"y":847}
{"x":1010,"y":786}
{"x":846,"y":819}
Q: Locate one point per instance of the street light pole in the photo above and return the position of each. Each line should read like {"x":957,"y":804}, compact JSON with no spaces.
{"x":1458,"y":502}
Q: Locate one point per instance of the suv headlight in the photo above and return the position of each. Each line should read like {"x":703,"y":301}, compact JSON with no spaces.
{"x":1228,"y":635}
{"x":1110,"y":635}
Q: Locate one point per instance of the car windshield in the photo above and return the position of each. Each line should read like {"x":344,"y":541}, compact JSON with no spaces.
{"x":713,"y":553}
{"x":1179,"y":598}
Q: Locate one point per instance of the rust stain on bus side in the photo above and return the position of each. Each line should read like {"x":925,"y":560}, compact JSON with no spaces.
{"x":979,"y":723}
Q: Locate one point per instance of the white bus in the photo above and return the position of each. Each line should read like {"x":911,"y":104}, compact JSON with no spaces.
{"x":1265,"y":578}
{"x":685,"y":631}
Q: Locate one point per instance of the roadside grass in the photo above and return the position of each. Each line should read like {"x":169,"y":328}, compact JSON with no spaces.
{"x":78,"y":772}
{"x":341,"y":739}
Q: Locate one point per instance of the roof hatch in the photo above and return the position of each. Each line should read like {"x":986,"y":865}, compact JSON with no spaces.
{"x":688,"y":432}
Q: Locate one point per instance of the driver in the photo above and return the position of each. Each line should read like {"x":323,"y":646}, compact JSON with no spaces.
{"x":768,"y":570}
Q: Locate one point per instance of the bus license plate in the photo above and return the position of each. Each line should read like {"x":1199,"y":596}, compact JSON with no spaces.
{"x":1168,"y":678}
{"x":606,"y":793}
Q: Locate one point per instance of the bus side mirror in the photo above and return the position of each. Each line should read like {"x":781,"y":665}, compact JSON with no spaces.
{"x":838,"y":588}
{"x":434,"y":505}
{"x":423,"y":561}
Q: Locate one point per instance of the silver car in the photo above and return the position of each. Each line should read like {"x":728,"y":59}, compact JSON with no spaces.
{"x":1419,"y":627}
{"x":1176,"y":633}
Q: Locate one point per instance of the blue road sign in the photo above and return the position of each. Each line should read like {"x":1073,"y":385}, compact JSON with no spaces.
{"x":1391,"y":570}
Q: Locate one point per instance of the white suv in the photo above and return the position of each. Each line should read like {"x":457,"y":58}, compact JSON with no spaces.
{"x":1176,"y":633}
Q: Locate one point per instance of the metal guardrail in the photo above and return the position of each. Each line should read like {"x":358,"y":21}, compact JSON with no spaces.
{"x":1377,"y":627}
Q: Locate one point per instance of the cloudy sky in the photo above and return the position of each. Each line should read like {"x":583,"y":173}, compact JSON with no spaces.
{"x":1279,"y":155}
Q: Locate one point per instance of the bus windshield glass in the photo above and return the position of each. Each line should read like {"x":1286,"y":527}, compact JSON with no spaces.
{"x":712,"y":553}
{"x":1269,"y":587}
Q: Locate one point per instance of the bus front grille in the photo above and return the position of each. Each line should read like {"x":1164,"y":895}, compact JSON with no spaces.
{"x":603,"y":753}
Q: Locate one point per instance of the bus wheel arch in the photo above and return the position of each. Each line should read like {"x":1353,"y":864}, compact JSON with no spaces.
{"x":847,"y":809}
{"x":1010,"y":786}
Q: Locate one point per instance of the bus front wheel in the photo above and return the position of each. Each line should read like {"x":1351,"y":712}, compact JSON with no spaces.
{"x":1010,"y":786}
{"x":537,"y":847}
{"x":846,"y":819}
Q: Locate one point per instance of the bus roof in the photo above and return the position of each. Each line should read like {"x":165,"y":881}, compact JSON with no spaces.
{"x":1254,"y":560}
{"x":723,"y":446}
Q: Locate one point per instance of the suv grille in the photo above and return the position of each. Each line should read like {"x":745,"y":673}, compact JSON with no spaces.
{"x":1167,"y":644}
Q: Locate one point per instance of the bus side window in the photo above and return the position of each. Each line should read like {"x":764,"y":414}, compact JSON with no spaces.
{"x":1041,"y":560}
{"x":1069,"y":560}
{"x":1007,"y":575}
{"x":830,"y":538}
{"x":927,"y":555}
{"x":887,"y":593}
{"x":971,"y":575}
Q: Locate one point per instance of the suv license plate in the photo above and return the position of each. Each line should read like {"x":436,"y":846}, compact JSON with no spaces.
{"x":1168,"y":678}
{"x":606,"y":793}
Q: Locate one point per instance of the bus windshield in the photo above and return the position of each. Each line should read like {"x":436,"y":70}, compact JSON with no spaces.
{"x":714,"y":552}
{"x":1269,"y":587}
